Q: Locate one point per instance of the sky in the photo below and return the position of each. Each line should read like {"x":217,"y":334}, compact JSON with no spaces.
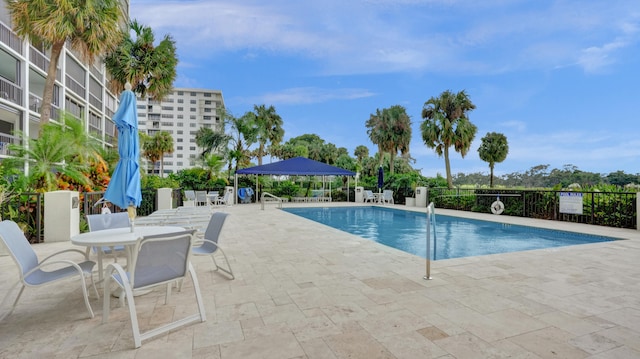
{"x":559,"y":78}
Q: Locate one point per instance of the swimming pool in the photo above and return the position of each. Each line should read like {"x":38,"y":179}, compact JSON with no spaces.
{"x":456,"y":237}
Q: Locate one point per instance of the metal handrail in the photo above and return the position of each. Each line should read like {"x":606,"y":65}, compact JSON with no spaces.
{"x":269,"y":195}
{"x":431,"y":222}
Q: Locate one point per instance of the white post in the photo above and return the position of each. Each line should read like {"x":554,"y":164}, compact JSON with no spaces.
{"x":637,"y":212}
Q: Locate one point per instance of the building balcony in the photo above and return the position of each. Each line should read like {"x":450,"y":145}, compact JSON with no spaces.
{"x":5,"y":140}
{"x":8,"y":37}
{"x":10,"y":92}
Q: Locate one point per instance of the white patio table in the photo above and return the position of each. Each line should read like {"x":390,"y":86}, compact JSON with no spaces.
{"x":121,"y":237}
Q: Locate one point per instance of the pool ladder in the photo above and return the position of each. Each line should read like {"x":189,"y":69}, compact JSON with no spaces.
{"x":431,"y":223}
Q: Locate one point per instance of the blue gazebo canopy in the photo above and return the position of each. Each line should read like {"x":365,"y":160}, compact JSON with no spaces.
{"x":298,"y":166}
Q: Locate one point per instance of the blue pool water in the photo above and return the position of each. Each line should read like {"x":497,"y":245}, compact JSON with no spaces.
{"x":456,"y":237}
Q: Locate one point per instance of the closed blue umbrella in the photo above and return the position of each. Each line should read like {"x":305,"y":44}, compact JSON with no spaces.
{"x":124,"y":187}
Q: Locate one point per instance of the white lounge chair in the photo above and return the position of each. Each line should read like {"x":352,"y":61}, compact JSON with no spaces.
{"x":32,"y":271}
{"x":159,"y":260}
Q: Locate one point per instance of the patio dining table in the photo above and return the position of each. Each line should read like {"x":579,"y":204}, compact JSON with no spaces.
{"x":121,"y":237}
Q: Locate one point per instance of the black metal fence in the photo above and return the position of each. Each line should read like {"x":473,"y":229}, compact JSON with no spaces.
{"x":610,"y":209}
{"x":27,"y":209}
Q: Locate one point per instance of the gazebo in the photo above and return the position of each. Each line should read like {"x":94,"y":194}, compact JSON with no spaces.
{"x":297,"y":166}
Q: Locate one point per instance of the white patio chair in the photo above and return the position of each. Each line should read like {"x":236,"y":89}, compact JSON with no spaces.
{"x":189,"y":197}
{"x":201,"y":198}
{"x":32,"y":271}
{"x":226,"y":200}
{"x":99,"y":222}
{"x":210,"y":245}
{"x":369,"y":196}
{"x":387,"y":196}
{"x":158,"y":260}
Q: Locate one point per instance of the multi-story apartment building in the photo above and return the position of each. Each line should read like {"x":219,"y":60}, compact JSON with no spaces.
{"x":182,"y":113}
{"x":79,"y":90}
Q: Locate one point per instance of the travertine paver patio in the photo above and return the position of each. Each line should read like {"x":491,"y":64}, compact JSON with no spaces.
{"x":303,"y":290}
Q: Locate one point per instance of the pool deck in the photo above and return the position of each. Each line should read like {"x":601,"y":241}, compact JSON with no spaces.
{"x":304,"y":290}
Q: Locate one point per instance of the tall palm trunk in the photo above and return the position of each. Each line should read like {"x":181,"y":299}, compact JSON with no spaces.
{"x":391,"y":160}
{"x":47,"y":96}
{"x":491,"y":178}
{"x":448,"y":167}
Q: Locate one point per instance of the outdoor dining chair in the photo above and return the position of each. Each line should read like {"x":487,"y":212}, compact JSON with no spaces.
{"x":210,"y":246}
{"x":159,"y":260}
{"x":201,"y":198}
{"x":99,"y":222}
{"x":32,"y":271}
{"x":369,"y":196}
{"x":387,"y":196}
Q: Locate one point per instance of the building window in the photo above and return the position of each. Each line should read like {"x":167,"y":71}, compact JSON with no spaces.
{"x":193,"y":94}
{"x":192,"y":109}
{"x":180,"y":117}
{"x":207,"y":102}
{"x":193,"y":102}
{"x":206,"y":118}
{"x":207,"y":94}
{"x":193,"y":125}
{"x":180,"y":93}
{"x":167,"y":108}
{"x":179,"y":139}
{"x":179,"y":132}
{"x":192,"y":117}
{"x":192,"y":148}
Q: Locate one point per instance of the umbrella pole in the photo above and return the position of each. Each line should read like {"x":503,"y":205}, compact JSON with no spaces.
{"x":131,"y":211}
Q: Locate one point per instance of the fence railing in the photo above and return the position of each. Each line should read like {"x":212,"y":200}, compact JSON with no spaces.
{"x":27,"y":209}
{"x":610,"y":209}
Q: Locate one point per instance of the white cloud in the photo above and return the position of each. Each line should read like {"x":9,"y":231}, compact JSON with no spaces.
{"x":396,"y":36}
{"x":306,"y":95}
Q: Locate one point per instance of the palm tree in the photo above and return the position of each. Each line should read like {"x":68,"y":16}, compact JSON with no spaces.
{"x":91,"y":27}
{"x":493,"y":149}
{"x":244,"y":134}
{"x":155,"y":147}
{"x":390,"y":129}
{"x":376,"y":131}
{"x":61,"y":150}
{"x":446,"y":124}
{"x":398,"y":135}
{"x":150,"y":69}
{"x":269,"y":125}
{"x":361,"y":152}
{"x":211,"y":141}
